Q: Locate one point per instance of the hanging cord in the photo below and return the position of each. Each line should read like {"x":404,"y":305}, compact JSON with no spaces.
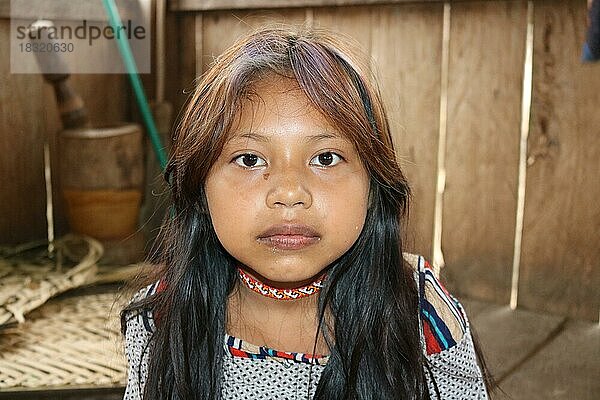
{"x":136,"y":83}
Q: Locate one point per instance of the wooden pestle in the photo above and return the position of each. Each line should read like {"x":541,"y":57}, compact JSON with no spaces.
{"x":70,"y":105}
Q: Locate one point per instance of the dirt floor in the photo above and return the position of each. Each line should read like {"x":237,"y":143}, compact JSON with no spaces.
{"x":537,"y":356}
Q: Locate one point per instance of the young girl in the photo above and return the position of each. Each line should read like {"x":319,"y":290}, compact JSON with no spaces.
{"x":282,"y":273}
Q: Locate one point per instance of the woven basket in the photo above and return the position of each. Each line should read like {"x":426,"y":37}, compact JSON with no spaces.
{"x":29,"y":276}
{"x":71,"y":342}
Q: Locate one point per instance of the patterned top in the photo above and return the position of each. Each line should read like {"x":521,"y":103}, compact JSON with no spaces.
{"x":258,"y":372}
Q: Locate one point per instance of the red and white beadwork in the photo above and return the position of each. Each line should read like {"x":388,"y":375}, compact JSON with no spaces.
{"x":280,"y":294}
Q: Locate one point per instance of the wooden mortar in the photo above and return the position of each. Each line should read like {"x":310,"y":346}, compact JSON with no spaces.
{"x":101,"y":172}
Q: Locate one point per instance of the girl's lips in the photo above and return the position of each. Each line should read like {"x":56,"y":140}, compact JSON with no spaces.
{"x":289,"y":242}
{"x":291,"y":229}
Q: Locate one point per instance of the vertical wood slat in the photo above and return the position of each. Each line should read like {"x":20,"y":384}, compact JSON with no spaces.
{"x":487,"y":47}
{"x":406,"y":49}
{"x":23,"y":196}
{"x":559,"y":264}
{"x":53,"y":126}
{"x":180,"y":46}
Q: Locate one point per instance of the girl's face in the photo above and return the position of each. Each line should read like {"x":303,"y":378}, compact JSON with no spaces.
{"x":285,"y":167}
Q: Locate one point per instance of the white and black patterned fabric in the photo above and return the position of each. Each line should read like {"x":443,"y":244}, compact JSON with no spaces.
{"x":263,"y":373}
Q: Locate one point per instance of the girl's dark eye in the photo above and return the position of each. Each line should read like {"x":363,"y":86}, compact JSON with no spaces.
{"x":249,"y":160}
{"x":327,"y":159}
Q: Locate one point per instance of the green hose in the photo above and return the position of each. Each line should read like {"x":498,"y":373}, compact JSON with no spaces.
{"x":136,"y":83}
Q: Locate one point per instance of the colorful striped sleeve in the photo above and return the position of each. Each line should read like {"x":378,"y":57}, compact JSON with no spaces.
{"x":443,"y":320}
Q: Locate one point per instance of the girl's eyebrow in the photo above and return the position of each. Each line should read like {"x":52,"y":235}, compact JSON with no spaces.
{"x":266,"y":139}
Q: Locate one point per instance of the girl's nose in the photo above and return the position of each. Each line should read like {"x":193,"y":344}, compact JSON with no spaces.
{"x":287,"y":189}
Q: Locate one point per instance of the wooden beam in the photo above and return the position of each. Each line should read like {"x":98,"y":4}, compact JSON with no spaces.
{"x":205,"y":5}
{"x":67,"y":10}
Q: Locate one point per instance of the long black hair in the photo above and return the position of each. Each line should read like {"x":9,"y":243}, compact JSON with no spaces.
{"x":375,"y":347}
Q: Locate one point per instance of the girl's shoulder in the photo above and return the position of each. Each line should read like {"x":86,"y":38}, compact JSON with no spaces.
{"x":142,"y":319}
{"x":446,"y":338}
{"x":138,"y":330}
{"x":443,"y":319}
{"x":147,"y":291}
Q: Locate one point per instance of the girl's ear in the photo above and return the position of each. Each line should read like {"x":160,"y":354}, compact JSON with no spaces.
{"x":202,"y":203}
{"x":201,"y":207}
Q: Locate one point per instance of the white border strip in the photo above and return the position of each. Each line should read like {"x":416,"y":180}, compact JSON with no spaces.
{"x":525,"y":117}
{"x":437,"y":257}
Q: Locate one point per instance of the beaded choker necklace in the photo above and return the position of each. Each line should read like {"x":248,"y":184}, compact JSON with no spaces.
{"x":280,"y":294}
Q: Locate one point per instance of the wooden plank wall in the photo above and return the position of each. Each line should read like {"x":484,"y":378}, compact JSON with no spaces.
{"x":559,"y":264}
